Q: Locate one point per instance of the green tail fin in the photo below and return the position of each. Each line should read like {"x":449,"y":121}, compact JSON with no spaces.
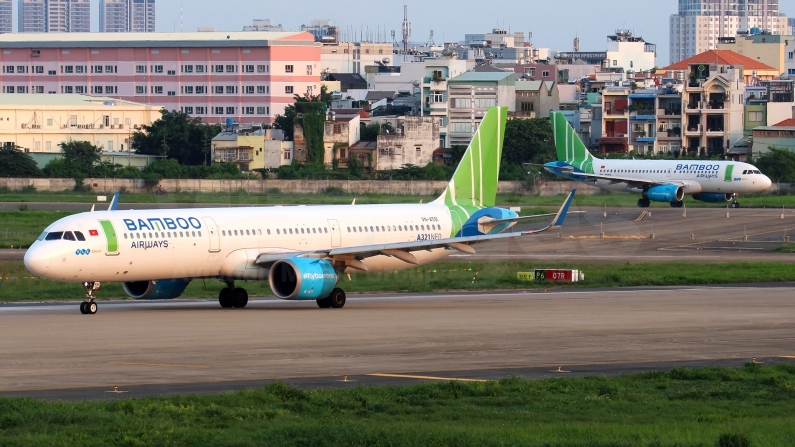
{"x":569,"y":147}
{"x":475,"y":180}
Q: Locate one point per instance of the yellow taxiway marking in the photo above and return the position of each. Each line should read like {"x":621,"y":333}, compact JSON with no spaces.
{"x":408,"y":376}
{"x":786,"y":356}
{"x":158,"y":364}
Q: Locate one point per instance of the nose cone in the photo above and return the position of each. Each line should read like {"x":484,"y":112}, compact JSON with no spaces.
{"x":766,"y":183}
{"x":37,"y":260}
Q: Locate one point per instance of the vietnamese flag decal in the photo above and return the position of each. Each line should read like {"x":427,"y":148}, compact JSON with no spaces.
{"x":93,"y":232}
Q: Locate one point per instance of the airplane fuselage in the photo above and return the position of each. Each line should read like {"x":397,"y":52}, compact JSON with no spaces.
{"x":144,"y":245}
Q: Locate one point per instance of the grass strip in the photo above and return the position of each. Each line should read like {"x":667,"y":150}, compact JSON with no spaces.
{"x":440,"y":276}
{"x":749,"y":406}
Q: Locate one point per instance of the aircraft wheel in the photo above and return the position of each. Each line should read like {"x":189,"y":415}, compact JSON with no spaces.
{"x":91,"y":308}
{"x":644,"y":203}
{"x":225,"y":297}
{"x":337,"y":298}
{"x":239,"y":297}
{"x":736,"y":205}
{"x":676,"y":204}
{"x":83,"y":306}
{"x":324,"y":303}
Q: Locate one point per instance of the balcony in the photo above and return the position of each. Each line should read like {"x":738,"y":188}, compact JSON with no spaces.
{"x":616,"y":113}
{"x":677,"y":112}
{"x":693,"y":130}
{"x":715,"y":130}
{"x":642,"y":115}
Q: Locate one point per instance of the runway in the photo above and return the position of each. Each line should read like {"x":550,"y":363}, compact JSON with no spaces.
{"x":185,"y":346}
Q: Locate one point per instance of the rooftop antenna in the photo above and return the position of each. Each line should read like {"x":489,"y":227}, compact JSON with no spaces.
{"x":180,"y":16}
{"x":406,"y":31}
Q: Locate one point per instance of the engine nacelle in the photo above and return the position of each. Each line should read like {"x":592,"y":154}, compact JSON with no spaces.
{"x":155,"y":290}
{"x":713,"y":198}
{"x":664,"y":193}
{"x":302,"y":278}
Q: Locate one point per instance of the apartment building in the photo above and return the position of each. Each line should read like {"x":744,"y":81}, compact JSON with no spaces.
{"x":700,"y":23}
{"x":39,"y":123}
{"x":6,"y":16}
{"x":68,"y":16}
{"x":248,"y":76}
{"x":470,"y":95}
{"x":434,"y":96}
{"x":769,"y":49}
{"x":615,"y":120}
{"x":32,"y":16}
{"x":264,"y":25}
{"x":121,"y":16}
{"x":353,"y":57}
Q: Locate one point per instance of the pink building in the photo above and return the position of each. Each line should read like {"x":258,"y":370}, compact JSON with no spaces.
{"x":248,"y":76}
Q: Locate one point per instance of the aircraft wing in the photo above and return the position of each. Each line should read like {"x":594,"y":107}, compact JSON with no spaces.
{"x":402,"y":250}
{"x":633,"y":182}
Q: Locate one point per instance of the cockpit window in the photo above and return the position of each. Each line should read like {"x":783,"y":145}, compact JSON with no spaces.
{"x":54,"y":236}
{"x":68,"y":236}
{"x":745,"y":172}
{"x":43,"y":235}
{"x":80,"y":236}
{"x":756,"y":171}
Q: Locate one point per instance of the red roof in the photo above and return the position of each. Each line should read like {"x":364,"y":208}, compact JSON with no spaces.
{"x":790,"y":122}
{"x":722,"y":57}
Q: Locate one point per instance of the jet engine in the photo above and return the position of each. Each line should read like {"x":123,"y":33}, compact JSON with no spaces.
{"x":302,"y":278}
{"x":713,"y":198}
{"x":155,"y":290}
{"x":664,"y":193}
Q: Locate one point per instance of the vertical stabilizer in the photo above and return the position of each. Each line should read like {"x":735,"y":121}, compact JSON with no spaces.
{"x":569,"y":147}
{"x":475,"y":180}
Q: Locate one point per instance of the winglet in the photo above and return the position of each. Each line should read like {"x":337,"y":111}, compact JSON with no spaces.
{"x":564,"y":209}
{"x":114,"y":203}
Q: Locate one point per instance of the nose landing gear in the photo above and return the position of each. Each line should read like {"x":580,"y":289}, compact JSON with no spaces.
{"x":89,"y":306}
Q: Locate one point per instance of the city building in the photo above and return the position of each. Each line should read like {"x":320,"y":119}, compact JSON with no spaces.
{"x":535,"y":99}
{"x":339,"y":134}
{"x":142,"y":16}
{"x":534,"y":72}
{"x":498,"y":46}
{"x":251,"y":149}
{"x":6,"y":16}
{"x":264,"y":25}
{"x":630,"y":52}
{"x":248,"y":76}
{"x":434,"y":97}
{"x":769,"y":49}
{"x":68,"y":16}
{"x":353,"y":57}
{"x":39,"y":123}
{"x":470,"y":95}
{"x":699,"y":24}
{"x":413,"y":143}
{"x":780,"y":136}
{"x":113,"y":16}
{"x":320,"y":28}
{"x":32,"y":16}
{"x":615,"y":120}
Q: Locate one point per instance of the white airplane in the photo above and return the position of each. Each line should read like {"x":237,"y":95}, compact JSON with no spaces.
{"x":303,"y":251}
{"x":655,"y":180}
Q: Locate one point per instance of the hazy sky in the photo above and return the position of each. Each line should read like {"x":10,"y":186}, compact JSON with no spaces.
{"x":553,"y":23}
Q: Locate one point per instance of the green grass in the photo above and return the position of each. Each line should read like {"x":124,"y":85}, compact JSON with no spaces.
{"x":786,"y":248}
{"x":440,"y":276}
{"x":21,"y":228}
{"x":751,"y":406}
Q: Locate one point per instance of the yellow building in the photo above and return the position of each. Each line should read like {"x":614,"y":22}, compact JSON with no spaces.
{"x":769,"y":49}
{"x":39,"y":123}
{"x":254,"y":150}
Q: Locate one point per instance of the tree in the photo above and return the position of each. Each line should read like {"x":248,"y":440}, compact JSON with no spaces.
{"x":370,"y":132}
{"x":176,"y":135}
{"x":528,"y":141}
{"x":303,"y":104}
{"x":79,"y":159}
{"x":15,"y":163}
{"x":778,"y":164}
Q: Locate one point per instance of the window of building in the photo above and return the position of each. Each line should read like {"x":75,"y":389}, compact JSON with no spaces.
{"x":219,"y":110}
{"x":286,"y":155}
{"x":157,"y":69}
{"x":261,"y":89}
{"x":309,"y":70}
{"x":249,"y":89}
{"x":79,"y":89}
{"x":200,"y":110}
{"x":260,"y":110}
{"x":80,"y":69}
{"x":140,"y":69}
{"x":172,"y":72}
{"x":157,"y":89}
{"x":438,"y":96}
{"x":200,"y":90}
{"x":172,"y":93}
{"x":140,"y":89}
{"x":337,"y":129}
{"x":67,"y":89}
{"x":72,"y":120}
{"x":755,"y":116}
{"x":484,"y":103}
{"x":231,"y":68}
{"x":218,"y":68}
{"x":39,"y":69}
{"x":527,"y":107}
{"x":187,"y":89}
{"x":126,"y":121}
{"x":187,"y":68}
{"x":460,"y":127}
{"x":615,"y":63}
{"x":110,"y":69}
{"x":545,"y":73}
{"x":49,"y":122}
{"x":200,"y":69}
{"x":288,"y":89}
{"x":189,"y":110}
{"x":260,"y":69}
{"x":248,"y":69}
{"x":51,"y":72}
{"x":288,"y":68}
{"x":111,"y":89}
{"x":98,"y":90}
{"x":248,"y":110}
{"x":68,"y":69}
{"x":219,"y":89}
{"x":230,"y":110}
{"x":8,"y":69}
{"x":231,"y":89}
{"x":461,"y":103}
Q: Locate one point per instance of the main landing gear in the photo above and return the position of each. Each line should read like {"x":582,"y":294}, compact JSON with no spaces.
{"x":89,"y":306}
{"x":335,"y":300}
{"x":735,"y":204}
{"x":232,"y":296}
{"x":644,"y":203}
{"x":677,"y":204}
